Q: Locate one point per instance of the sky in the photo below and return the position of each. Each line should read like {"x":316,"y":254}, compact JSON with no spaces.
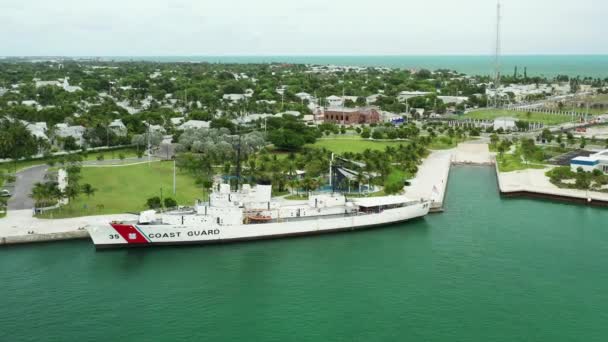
{"x":299,"y":27}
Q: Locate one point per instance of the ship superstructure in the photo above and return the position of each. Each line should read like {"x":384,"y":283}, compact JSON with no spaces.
{"x":251,"y":213}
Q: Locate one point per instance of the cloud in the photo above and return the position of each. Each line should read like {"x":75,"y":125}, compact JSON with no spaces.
{"x":186,"y":27}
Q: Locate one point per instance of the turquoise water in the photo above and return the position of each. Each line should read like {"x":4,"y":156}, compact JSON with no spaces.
{"x":488,"y":269}
{"x":543,"y":65}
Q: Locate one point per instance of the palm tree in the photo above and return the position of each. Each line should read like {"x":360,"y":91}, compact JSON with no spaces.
{"x":293,"y":185}
{"x":88,"y":190}
{"x":39,"y":193}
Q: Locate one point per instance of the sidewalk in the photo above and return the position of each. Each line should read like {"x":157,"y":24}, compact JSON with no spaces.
{"x":19,"y":226}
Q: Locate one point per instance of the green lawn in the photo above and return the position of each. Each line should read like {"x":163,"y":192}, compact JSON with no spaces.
{"x":354,"y":145}
{"x":22,"y":164}
{"x":445,"y":143}
{"x":490,"y":114}
{"x":513,"y":162}
{"x":126,"y":189}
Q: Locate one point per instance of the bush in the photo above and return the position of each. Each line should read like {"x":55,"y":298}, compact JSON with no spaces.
{"x":153,"y":202}
{"x":170,"y":202}
{"x":100,"y":157}
{"x":377,"y":135}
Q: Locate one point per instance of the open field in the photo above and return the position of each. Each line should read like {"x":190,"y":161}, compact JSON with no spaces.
{"x":126,"y":189}
{"x":354,"y":145}
{"x":490,"y":114}
{"x":513,"y":162}
{"x":128,"y":152}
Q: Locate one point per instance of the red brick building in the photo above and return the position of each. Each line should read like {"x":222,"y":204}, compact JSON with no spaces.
{"x":352,"y":116}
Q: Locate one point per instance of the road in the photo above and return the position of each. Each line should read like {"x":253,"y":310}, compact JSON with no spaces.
{"x":23,"y":186}
{"x":26,"y":179}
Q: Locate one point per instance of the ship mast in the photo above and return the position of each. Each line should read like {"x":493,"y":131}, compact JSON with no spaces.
{"x":238,"y":160}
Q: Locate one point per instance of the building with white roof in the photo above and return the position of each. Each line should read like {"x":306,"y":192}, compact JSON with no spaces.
{"x":406,"y":95}
{"x":67,"y":87}
{"x":595,"y":161}
{"x":453,"y":99}
{"x":118,"y":127}
{"x":177,"y":121}
{"x":64,"y":131}
{"x":506,"y":123}
{"x":37,"y":129}
{"x":234,"y":97}
{"x":31,"y":103}
{"x":304,"y":96}
{"x":47,"y":83}
{"x":194,"y":124}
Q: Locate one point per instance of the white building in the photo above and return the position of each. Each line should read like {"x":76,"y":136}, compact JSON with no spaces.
{"x":194,"y":124}
{"x":406,"y":95}
{"x":67,"y":87}
{"x":64,"y":131}
{"x":118,"y":127}
{"x":506,"y":123}
{"x":234,"y":97}
{"x":37,"y":129}
{"x":30,"y":103}
{"x":177,"y":121}
{"x":453,"y":99}
{"x":334,"y":101}
{"x":47,"y":83}
{"x":372,"y":98}
{"x":595,"y":161}
{"x":304,"y":96}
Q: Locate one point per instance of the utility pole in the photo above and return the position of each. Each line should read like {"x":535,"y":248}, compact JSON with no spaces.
{"x":343,"y":100}
{"x":238,"y":162}
{"x":149,"y":146}
{"x":174,"y":188}
{"x":330,"y":171}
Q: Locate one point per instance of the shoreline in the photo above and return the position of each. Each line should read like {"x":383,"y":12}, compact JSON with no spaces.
{"x":430,"y":182}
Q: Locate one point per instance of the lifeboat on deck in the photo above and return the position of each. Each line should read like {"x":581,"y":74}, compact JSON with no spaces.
{"x":258,"y":218}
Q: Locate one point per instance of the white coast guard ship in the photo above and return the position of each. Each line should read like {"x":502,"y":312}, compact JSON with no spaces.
{"x":251,"y":214}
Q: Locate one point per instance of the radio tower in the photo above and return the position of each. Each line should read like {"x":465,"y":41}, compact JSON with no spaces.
{"x":497,"y":57}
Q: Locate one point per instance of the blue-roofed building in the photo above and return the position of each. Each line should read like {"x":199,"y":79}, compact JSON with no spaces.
{"x":595,"y":161}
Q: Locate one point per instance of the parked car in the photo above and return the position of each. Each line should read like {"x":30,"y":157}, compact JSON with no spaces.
{"x":5,"y":193}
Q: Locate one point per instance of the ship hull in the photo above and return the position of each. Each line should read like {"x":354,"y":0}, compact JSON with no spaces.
{"x":135,"y":235}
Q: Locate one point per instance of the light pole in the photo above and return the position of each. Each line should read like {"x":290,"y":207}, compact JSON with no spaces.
{"x":174,"y":177}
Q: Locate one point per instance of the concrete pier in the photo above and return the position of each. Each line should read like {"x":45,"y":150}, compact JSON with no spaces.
{"x":534,"y":183}
{"x":21,"y":227}
{"x":432,"y":178}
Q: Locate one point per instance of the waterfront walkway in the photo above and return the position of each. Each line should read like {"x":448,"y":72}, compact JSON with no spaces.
{"x":19,"y":226}
{"x":535,"y":182}
{"x":430,"y":183}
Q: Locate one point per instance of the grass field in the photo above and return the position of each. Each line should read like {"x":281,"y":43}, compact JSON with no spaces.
{"x":513,"y":162}
{"x":490,"y":114}
{"x":128,"y":152}
{"x":355,"y":145}
{"x":126,"y":189}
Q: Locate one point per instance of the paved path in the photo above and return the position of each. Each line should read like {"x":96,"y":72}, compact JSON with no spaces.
{"x":535,"y":181}
{"x":114,"y":162}
{"x":20,"y":227}
{"x":23,"y":187}
{"x":432,"y":178}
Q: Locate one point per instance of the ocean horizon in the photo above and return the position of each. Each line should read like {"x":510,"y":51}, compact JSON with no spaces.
{"x":537,"y":65}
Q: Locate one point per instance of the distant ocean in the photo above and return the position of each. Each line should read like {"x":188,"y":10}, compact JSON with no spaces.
{"x":537,"y":65}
